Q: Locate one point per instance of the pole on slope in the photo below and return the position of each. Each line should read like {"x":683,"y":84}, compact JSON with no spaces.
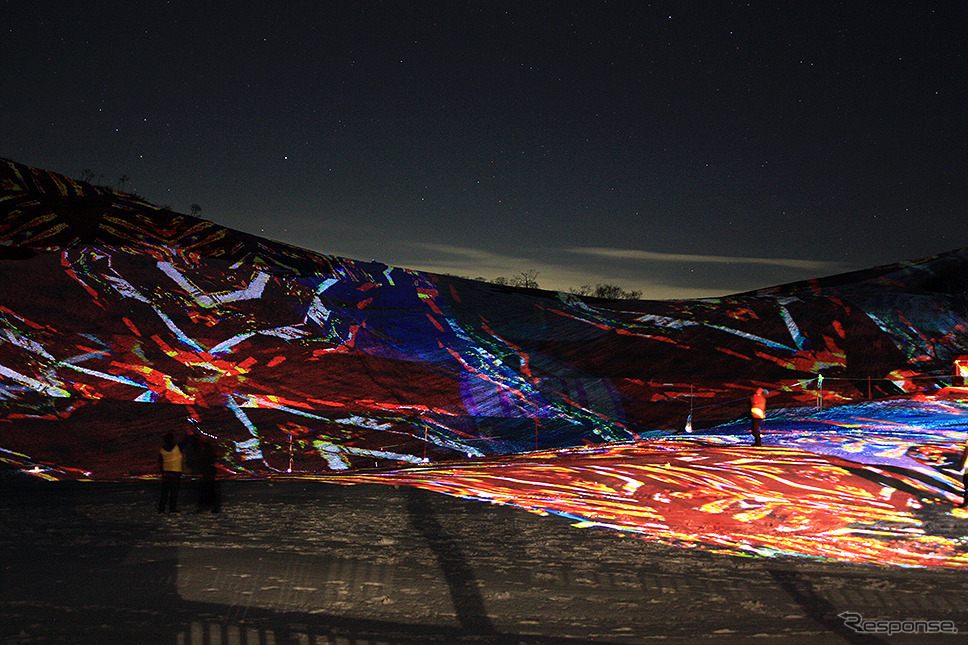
{"x":290,"y":454}
{"x":689,"y":418}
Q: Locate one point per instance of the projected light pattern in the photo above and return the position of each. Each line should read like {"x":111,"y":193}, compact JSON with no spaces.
{"x":175,"y":342}
{"x":704,"y":494}
{"x":120,"y":320}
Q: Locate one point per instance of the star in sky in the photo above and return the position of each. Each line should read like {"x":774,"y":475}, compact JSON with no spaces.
{"x":487,"y":140}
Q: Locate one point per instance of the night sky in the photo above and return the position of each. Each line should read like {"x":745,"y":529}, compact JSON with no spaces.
{"x":683,"y":149}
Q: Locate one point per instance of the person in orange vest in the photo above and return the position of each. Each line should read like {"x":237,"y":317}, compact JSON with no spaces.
{"x":758,"y":413}
{"x":960,"y":371}
{"x":170,"y":462}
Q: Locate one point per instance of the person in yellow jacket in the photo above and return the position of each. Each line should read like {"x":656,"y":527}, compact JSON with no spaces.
{"x":170,"y":462}
{"x":758,"y":413}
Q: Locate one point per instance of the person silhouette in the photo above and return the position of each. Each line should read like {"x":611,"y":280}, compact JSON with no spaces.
{"x":757,"y":413}
{"x":208,"y":493}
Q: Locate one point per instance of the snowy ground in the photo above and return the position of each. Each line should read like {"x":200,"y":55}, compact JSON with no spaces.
{"x":308,"y":562}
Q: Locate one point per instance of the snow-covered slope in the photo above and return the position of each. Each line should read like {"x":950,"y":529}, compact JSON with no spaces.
{"x":120,"y":320}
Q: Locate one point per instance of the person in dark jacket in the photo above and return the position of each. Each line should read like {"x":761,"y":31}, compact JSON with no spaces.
{"x":208,"y":493}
